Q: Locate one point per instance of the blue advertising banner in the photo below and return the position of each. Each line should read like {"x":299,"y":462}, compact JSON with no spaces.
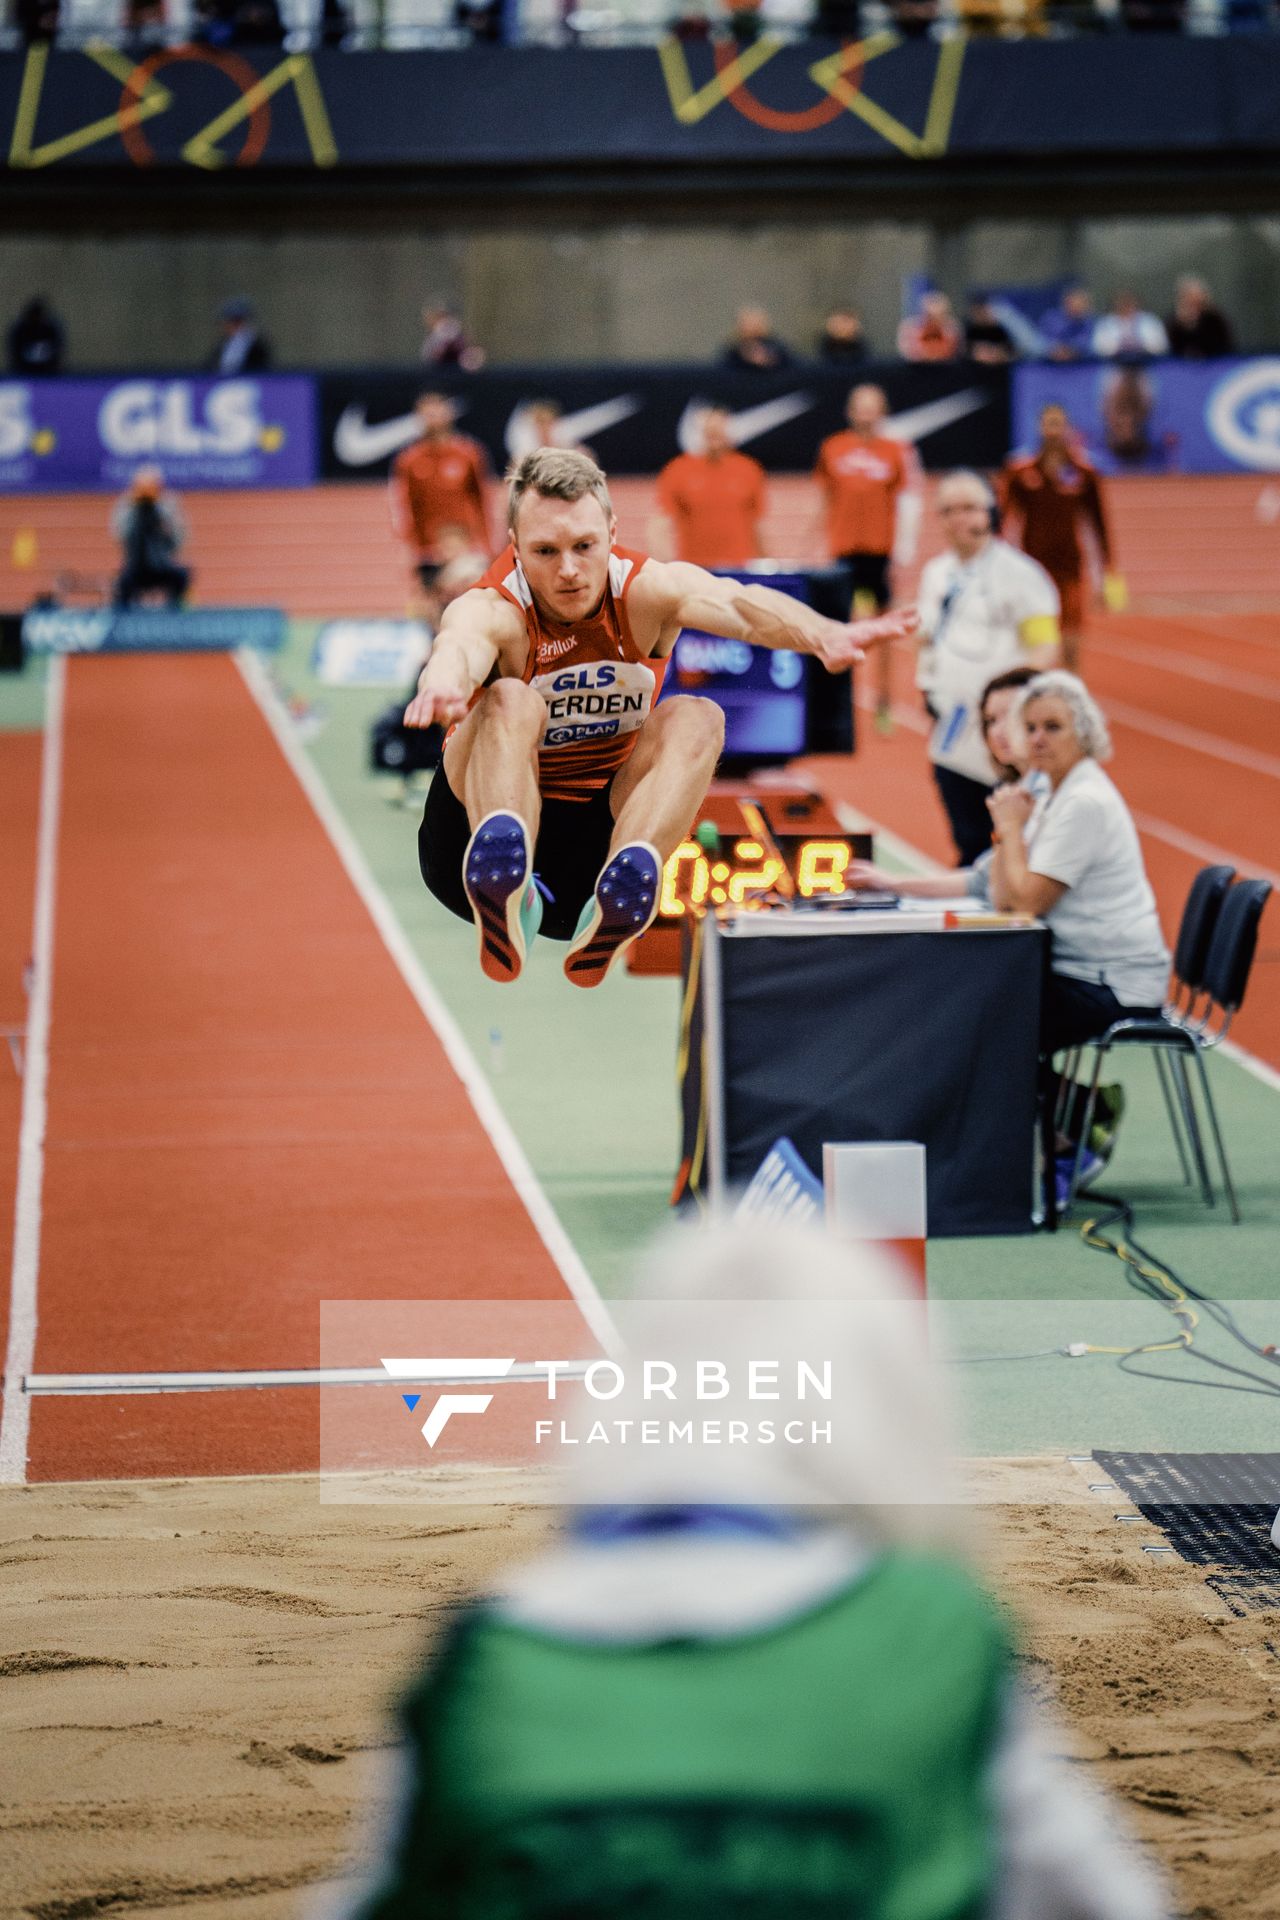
{"x":152,"y":629}
{"x":92,"y":435}
{"x":1161,"y":416}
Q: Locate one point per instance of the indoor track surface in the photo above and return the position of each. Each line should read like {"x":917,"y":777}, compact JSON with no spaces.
{"x":254,"y":1039}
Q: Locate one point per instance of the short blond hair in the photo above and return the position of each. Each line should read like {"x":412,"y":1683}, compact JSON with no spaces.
{"x":557,"y":474}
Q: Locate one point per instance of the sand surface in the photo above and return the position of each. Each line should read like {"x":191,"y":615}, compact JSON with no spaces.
{"x":195,"y":1677}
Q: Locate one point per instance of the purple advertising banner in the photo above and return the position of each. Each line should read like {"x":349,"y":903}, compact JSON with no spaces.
{"x":1161,"y":416}
{"x":61,"y":436}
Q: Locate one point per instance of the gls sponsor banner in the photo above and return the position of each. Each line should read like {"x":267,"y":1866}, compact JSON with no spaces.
{"x":92,"y":435}
{"x":1162,"y":416}
{"x":636,"y":418}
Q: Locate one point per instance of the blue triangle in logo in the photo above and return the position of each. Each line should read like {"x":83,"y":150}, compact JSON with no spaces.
{"x":411,"y":1400}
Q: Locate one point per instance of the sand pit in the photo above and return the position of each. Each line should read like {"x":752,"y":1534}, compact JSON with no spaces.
{"x":194,"y":1682}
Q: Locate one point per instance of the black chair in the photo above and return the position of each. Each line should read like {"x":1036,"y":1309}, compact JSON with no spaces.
{"x":1175,"y":1036}
{"x":1190,"y":954}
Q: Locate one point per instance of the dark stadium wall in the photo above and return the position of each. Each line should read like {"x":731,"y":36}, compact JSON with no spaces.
{"x":587,"y":289}
{"x":582,"y":292}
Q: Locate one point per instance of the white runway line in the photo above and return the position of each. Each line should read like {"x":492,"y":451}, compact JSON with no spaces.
{"x":490,"y":1115}
{"x":250,"y":1378}
{"x":23,"y":1305}
{"x":1187,"y":666}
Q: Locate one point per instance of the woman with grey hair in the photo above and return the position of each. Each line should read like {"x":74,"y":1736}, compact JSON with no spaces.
{"x":1078,"y":866}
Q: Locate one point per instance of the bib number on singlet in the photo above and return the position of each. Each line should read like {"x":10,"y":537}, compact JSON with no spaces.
{"x":594,"y":700}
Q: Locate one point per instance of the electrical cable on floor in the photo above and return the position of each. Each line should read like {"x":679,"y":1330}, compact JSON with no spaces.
{"x":1153,"y":1278}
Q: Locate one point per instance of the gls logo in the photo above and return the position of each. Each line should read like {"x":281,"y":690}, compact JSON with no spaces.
{"x":143,"y":418}
{"x":593,"y":676}
{"x":448,"y":1404}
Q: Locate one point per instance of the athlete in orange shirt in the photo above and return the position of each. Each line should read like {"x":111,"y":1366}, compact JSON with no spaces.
{"x":1047,"y":498}
{"x":558,"y":762}
{"x":866,"y":478}
{"x":440,"y":481}
{"x":714,"y":499}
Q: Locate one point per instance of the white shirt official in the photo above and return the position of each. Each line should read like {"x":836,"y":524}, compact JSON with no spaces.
{"x":972,"y":613}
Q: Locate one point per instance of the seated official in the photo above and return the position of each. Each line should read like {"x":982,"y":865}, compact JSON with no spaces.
{"x":1006,"y":744}
{"x":1075,"y":862}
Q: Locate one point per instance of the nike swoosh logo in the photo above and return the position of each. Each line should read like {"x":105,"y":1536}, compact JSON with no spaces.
{"x":917,"y":423}
{"x":747,"y":425}
{"x":357,"y":444}
{"x":570,"y":427}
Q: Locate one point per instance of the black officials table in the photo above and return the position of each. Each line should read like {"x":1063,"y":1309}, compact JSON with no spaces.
{"x":867,"y":1025}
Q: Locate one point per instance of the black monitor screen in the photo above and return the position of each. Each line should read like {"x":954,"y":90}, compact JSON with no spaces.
{"x":776,"y":705}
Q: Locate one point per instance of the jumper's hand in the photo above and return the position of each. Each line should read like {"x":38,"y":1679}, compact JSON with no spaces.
{"x":436,"y":706}
{"x":847,"y":643}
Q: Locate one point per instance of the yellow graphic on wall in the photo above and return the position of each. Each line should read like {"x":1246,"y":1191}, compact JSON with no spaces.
{"x":839,"y":79}
{"x":143,"y":97}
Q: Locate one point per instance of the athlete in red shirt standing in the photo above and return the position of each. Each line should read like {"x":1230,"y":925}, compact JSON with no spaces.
{"x":441,"y":481}
{"x":1047,"y":499}
{"x":558,"y":762}
{"x":714,"y":500}
{"x":866,"y":478}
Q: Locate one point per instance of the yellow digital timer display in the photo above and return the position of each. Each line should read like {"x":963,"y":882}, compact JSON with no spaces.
{"x":743,"y":873}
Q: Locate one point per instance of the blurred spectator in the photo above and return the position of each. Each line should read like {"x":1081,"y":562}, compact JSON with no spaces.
{"x":149,"y":525}
{"x":1131,"y":432}
{"x":335,"y":23}
{"x":842,"y":342}
{"x":1069,"y":326}
{"x":753,"y":344}
{"x":757,"y":1686}
{"x":482,"y":19}
{"x":1153,"y":16}
{"x":441,"y":481}
{"x":36,"y":343}
{"x":37,"y":20}
{"x":931,"y":333}
{"x":238,"y":23}
{"x":986,"y":338}
{"x":838,"y":19}
{"x":872,"y":516}
{"x":913,"y":18}
{"x":444,"y":343}
{"x":1128,"y":332}
{"x":1197,"y":329}
{"x":542,"y":423}
{"x":145,"y":25}
{"x":712,"y":500}
{"x":242,"y":348}
{"x":1049,"y":498}
{"x":461,"y":562}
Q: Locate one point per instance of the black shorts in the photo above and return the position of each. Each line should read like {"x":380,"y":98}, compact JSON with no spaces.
{"x":868,"y":573}
{"x":572,"y":844}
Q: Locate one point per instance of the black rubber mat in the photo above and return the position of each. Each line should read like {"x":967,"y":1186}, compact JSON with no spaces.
{"x":1216,"y":1510}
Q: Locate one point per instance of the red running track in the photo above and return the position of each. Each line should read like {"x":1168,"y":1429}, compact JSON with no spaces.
{"x":248,"y":1111}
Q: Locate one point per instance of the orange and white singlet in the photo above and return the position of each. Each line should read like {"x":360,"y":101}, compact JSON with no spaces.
{"x":597,"y":688}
